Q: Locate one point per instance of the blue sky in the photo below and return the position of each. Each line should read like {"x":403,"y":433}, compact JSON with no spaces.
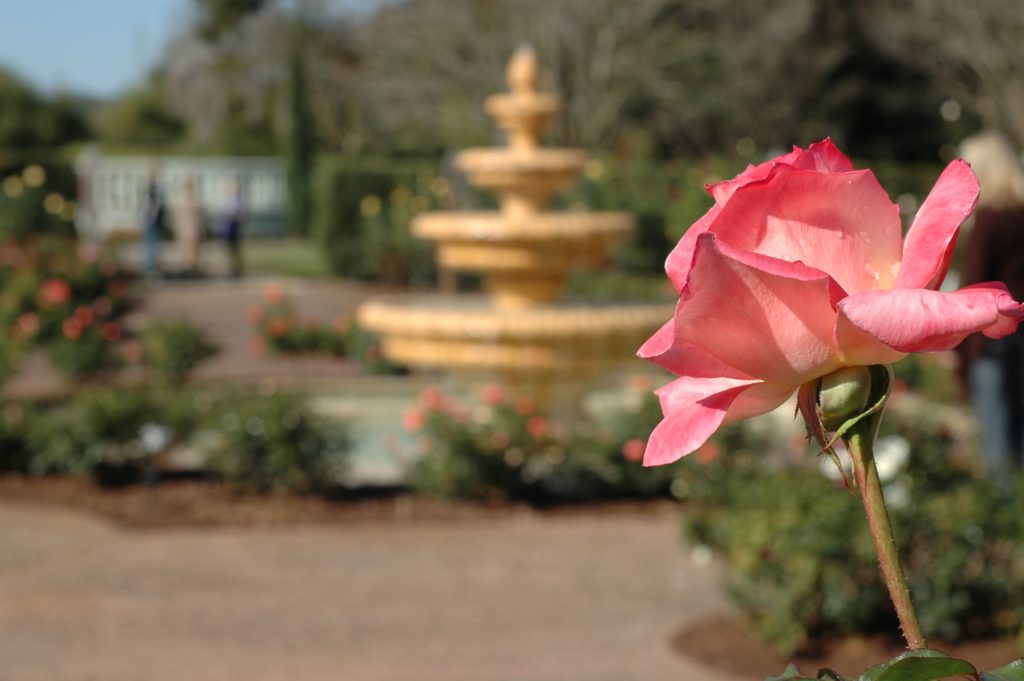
{"x":95,"y":47}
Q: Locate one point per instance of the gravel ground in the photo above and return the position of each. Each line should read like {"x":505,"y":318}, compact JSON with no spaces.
{"x":566,"y":598}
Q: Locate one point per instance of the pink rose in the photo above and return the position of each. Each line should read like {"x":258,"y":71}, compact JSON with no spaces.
{"x":54,"y":292}
{"x":799,"y":269}
{"x":633,"y":449}
{"x":492,"y":394}
{"x":537,"y":426}
{"x":414,"y":420}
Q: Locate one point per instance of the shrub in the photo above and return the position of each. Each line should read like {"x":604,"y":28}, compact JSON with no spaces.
{"x":83,"y":352}
{"x":36,"y":199}
{"x":799,"y":557}
{"x":54,"y":294}
{"x":281,"y":330}
{"x":277,"y":444}
{"x":15,"y":453}
{"x":504,"y":448}
{"x":665,"y":198}
{"x":362,"y":211}
{"x":174,"y":349}
{"x":98,"y":431}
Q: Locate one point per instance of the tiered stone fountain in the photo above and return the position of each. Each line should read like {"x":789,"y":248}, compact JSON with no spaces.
{"x":524,"y":254}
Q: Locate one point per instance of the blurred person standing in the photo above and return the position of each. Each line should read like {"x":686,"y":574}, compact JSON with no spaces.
{"x":234,"y":222}
{"x":188,"y":225}
{"x":153,"y":223}
{"x":993,"y":370}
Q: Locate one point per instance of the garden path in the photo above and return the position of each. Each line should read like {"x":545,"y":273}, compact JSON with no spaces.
{"x":587,"y":597}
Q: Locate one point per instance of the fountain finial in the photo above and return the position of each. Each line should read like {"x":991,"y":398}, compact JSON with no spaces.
{"x":522,"y":72}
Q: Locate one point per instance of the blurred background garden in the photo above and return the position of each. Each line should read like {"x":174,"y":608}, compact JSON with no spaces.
{"x":168,"y":379}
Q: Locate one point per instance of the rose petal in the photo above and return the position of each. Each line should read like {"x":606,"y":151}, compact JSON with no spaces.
{"x":843,"y":224}
{"x":692,"y":415}
{"x":684,"y":358}
{"x":824,"y":157}
{"x":758,"y":399}
{"x":680,"y":259}
{"x":919,"y":320}
{"x":767,"y":319}
{"x":932,"y":237}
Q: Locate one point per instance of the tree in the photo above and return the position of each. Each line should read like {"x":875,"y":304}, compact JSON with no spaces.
{"x":300,"y":137}
{"x":28,"y":120}
{"x":140,"y":116}
{"x":219,"y":16}
{"x":971,"y":51}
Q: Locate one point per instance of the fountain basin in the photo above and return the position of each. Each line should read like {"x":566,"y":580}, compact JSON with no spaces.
{"x":470,"y":333}
{"x":544,"y":242}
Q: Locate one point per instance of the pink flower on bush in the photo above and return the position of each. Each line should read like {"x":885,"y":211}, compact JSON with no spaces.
{"x":525,"y":406}
{"x":414,"y":420}
{"x":85,"y":315}
{"x":26,"y":325}
{"x":799,"y":269}
{"x":72,"y":328}
{"x":279,"y":327}
{"x":254,"y":314}
{"x":633,"y":449}
{"x":432,"y":398}
{"x":273,"y":293}
{"x":492,"y":394}
{"x":111,"y":332}
{"x":537,"y":426}
{"x":54,"y":292}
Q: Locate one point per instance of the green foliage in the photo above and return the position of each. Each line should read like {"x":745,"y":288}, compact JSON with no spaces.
{"x":29,"y":121}
{"x":264,"y":444}
{"x":914,"y":665}
{"x":281,"y":330}
{"x":96,"y":433}
{"x":926,"y":375}
{"x":217,"y":17}
{"x":365,"y":347}
{"x":801,"y":563}
{"x":84,"y":355}
{"x":362,"y":212}
{"x":10,"y":354}
{"x":300,"y":137}
{"x":36,"y":199}
{"x":67,"y":299}
{"x":503,"y":448}
{"x":15,"y":453}
{"x":175,"y":348}
{"x":665,"y":197}
{"x":277,"y":444}
{"x":140,"y":117}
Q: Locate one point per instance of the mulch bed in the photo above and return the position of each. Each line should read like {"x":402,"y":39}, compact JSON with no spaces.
{"x":200,"y":502}
{"x":727,"y":643}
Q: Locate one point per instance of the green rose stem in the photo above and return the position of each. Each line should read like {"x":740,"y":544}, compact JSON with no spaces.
{"x":860,"y":446}
{"x":849,"y":403}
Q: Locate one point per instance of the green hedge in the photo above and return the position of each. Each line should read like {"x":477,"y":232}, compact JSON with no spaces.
{"x":361,"y":212}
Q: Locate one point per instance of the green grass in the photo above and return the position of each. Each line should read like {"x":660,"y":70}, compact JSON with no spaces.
{"x":285,"y":258}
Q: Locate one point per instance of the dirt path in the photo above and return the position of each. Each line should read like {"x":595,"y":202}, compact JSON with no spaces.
{"x":576,"y":598}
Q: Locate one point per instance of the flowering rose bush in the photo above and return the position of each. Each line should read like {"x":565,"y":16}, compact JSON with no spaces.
{"x":504,"y":447}
{"x":800,"y":269}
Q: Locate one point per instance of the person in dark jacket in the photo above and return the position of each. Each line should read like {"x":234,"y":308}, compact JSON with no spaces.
{"x":994,"y":369}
